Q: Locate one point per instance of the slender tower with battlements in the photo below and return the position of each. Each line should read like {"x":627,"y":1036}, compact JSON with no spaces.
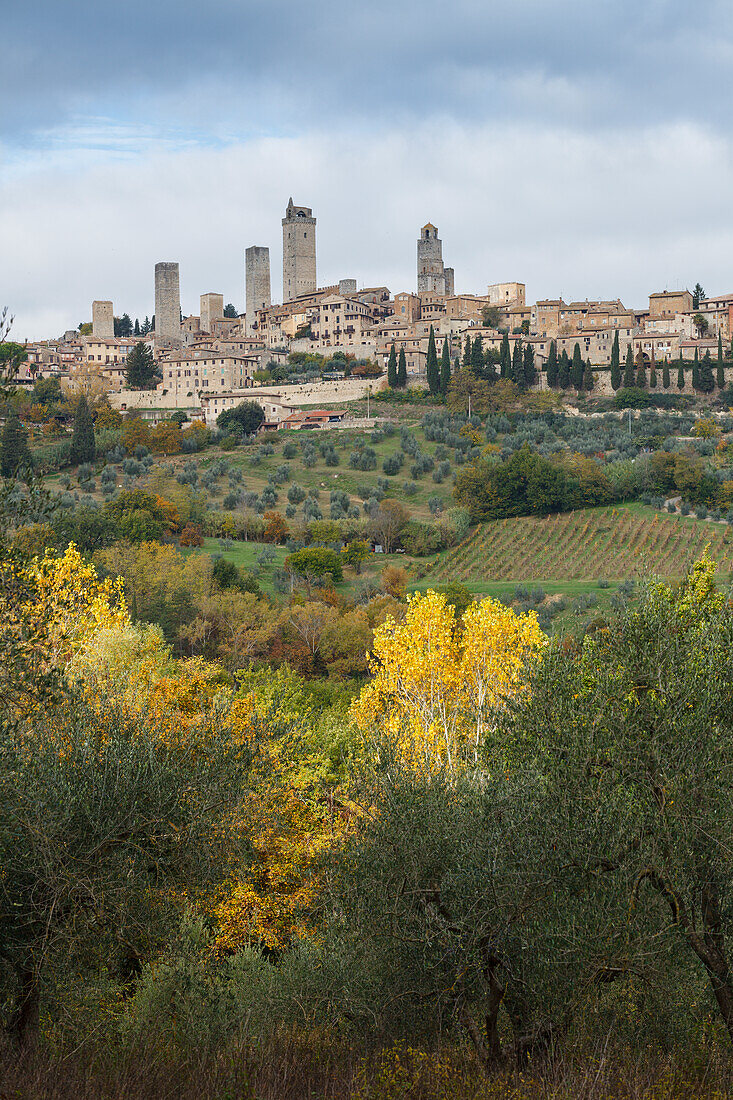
{"x":167,"y":305}
{"x":257,"y":294}
{"x":432,"y":276}
{"x":299,"y":252}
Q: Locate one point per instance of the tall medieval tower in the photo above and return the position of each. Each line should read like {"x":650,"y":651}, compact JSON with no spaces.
{"x":256,"y":283}
{"x":299,"y":252}
{"x":432,"y":276}
{"x":167,"y":305}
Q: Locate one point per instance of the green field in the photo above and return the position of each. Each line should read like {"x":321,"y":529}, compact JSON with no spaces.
{"x":570,"y":549}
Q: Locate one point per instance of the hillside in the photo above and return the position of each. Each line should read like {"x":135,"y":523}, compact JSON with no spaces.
{"x":612,"y":543}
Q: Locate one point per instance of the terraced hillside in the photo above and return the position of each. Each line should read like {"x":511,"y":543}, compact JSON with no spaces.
{"x":613,"y":543}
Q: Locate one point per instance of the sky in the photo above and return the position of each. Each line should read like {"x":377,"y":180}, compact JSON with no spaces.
{"x":583,"y":147}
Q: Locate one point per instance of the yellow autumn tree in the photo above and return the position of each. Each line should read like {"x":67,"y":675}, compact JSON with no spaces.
{"x":438,"y":679}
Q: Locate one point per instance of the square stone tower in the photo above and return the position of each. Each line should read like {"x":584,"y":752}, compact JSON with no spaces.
{"x":431,"y":275}
{"x":256,"y":282}
{"x":299,"y":252}
{"x":167,"y":305}
{"x":103,"y":321}
{"x":211,"y":309}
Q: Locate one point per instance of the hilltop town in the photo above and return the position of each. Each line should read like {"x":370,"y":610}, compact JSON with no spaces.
{"x":205,"y":362}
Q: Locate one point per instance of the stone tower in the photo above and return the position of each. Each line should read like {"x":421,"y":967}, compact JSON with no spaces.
{"x":256,"y":282}
{"x":432,"y":277}
{"x":103,"y":321}
{"x":299,"y":252}
{"x":167,"y":305}
{"x":212,"y":309}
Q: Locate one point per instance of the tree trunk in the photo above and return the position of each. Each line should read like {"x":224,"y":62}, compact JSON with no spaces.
{"x":23,"y":1026}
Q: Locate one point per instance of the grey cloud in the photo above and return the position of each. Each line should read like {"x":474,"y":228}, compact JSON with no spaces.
{"x":277,"y":65}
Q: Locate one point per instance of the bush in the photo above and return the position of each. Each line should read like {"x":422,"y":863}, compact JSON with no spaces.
{"x":421,"y":539}
{"x":436,"y":505}
{"x":409,"y":488}
{"x":191,"y":535}
{"x":393,"y":464}
{"x":296,"y":494}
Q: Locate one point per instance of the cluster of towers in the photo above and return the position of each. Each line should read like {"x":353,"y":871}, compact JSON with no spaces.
{"x":299,"y":277}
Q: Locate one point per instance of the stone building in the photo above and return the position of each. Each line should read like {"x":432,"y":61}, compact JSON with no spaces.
{"x":432,"y":276}
{"x":299,"y":252}
{"x":103,"y":321}
{"x":167,"y":305}
{"x":506,"y":294}
{"x":212,"y":309}
{"x":257,"y":287}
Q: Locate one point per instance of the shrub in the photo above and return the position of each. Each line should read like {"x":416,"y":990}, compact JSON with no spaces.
{"x":191,"y":535}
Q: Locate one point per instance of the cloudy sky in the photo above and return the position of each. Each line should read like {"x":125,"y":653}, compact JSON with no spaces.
{"x":584,"y":147}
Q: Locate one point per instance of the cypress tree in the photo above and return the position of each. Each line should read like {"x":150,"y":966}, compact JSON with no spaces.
{"x":431,"y":367}
{"x":680,"y":374}
{"x":82,"y":441}
{"x":445,"y":368}
{"x":392,"y":368}
{"x":136,"y":330}
{"x":551,"y":369}
{"x":402,"y":369}
{"x":720,"y":374}
{"x":530,"y":374}
{"x":563,"y":372}
{"x":640,"y":370}
{"x":477,"y":357}
{"x":588,"y":376}
{"x":467,"y":352}
{"x":615,"y":363}
{"x":505,"y":367}
{"x":14,"y":452}
{"x":696,"y":371}
{"x":577,"y":369}
{"x":629,"y":369}
{"x":665,"y":374}
{"x":706,"y":381}
{"x":517,"y":364}
{"x":653,"y":374}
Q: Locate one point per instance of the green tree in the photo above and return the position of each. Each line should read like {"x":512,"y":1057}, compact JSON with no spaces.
{"x":14,"y":453}
{"x":706,"y":379}
{"x":82,"y":441}
{"x":680,"y":373}
{"x":636,"y":726}
{"x":528,"y":367}
{"x":140,"y":373}
{"x":551,"y":369}
{"x":123,"y":325}
{"x":490,"y":316}
{"x":563,"y":372}
{"x":243,"y":420}
{"x":696,"y":371}
{"x":698,"y":296}
{"x":577,"y":369}
{"x":477,"y":357}
{"x":136,"y":330}
{"x":665,"y":374}
{"x":445,"y":368}
{"x":467,"y":351}
{"x":230,"y":310}
{"x":11,"y":357}
{"x":629,"y":375}
{"x":720,"y":372}
{"x":402,"y":369}
{"x":653,"y":376}
{"x":432,"y":369}
{"x":505,"y":361}
{"x":640,"y":371}
{"x":615,"y":363}
{"x":588,"y":376}
{"x":392,"y":368}
{"x":518,"y":364}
